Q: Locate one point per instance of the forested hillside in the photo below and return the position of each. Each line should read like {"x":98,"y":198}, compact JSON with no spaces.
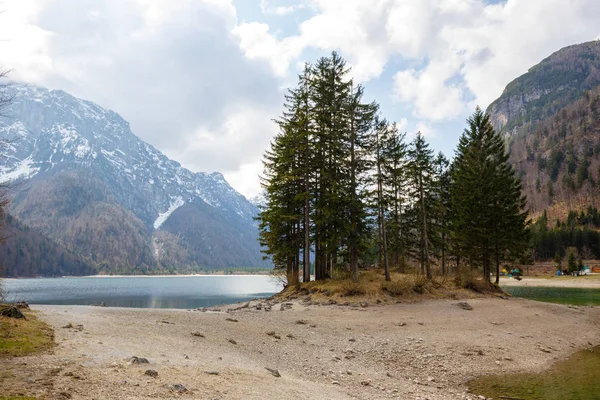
{"x":551,"y":119}
{"x":27,"y":253}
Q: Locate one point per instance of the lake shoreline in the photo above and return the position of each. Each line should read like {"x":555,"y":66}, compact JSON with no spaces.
{"x":138,"y":276}
{"x":582,"y":282}
{"x":427,"y":349}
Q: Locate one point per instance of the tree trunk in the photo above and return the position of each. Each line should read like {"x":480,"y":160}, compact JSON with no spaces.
{"x":306,"y":261}
{"x":497,"y":264}
{"x":353,"y":210}
{"x":386,"y":265}
{"x":425,"y":243}
{"x":443,"y":253}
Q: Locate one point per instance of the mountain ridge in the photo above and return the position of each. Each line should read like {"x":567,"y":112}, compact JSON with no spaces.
{"x":103,"y":169}
{"x":551,"y":119}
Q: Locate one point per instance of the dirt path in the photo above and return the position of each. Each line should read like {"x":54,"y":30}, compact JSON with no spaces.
{"x":403,"y":351}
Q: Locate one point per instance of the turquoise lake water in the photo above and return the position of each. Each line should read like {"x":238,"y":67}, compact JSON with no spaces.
{"x":574,"y":296}
{"x":142,"y":292}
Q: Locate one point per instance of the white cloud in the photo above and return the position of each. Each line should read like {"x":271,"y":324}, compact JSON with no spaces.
{"x":429,"y":92}
{"x":257,"y":43}
{"x":457,"y":48}
{"x":426,"y":130}
{"x":201,"y":82}
{"x":171,"y":68}
{"x":267,"y":7}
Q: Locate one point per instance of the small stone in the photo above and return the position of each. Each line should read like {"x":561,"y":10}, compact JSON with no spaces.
{"x":335,"y":383}
{"x":231,"y":320}
{"x":364,"y":304}
{"x":365,"y":383}
{"x":151,"y":372}
{"x":138,"y":360}
{"x":198,"y":334}
{"x":352,"y":340}
{"x":465,"y":306}
{"x":273,"y":372}
{"x":301,"y":322}
{"x":212,"y":372}
{"x":178,"y":388}
{"x":231,"y":341}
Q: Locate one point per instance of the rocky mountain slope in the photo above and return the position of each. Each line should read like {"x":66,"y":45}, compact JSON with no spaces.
{"x":546,"y":88}
{"x":551,"y":116}
{"x":87,"y":182}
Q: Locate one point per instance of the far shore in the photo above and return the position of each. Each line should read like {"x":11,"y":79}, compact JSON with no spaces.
{"x":583,"y":282}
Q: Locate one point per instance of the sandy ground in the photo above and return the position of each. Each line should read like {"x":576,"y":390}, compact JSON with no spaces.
{"x":584,"y":282}
{"x":425,"y":350}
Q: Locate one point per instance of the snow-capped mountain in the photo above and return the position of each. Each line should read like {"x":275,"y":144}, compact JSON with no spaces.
{"x":57,"y":140}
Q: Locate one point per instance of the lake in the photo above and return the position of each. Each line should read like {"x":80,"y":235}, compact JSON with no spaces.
{"x":575,"y":378}
{"x":560,"y":295}
{"x":143,"y":292}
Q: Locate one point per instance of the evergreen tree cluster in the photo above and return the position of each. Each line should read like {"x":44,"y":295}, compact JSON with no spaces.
{"x":344,"y":190}
{"x":580,"y":231}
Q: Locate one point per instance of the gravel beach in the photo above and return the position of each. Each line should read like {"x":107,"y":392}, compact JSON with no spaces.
{"x":423,"y":350}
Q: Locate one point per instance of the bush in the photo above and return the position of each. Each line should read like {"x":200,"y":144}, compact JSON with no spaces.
{"x":420,"y":284}
{"x":397,"y":287}
{"x":350,"y":288}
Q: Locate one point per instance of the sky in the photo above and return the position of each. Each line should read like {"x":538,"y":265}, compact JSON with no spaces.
{"x":202,"y":80}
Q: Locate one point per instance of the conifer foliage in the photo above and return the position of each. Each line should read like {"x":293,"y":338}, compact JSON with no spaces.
{"x":344,"y":190}
{"x":489,"y":224}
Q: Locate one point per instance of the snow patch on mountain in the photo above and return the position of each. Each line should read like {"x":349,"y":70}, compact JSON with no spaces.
{"x":24,"y":169}
{"x":162,"y":217}
{"x":58,"y":131}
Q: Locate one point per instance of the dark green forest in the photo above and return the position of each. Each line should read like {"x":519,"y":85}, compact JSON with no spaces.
{"x":346,"y":190}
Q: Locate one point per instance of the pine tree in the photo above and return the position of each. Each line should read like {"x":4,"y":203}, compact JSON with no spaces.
{"x":487,"y":218}
{"x":443,"y":204}
{"x":362,"y":117}
{"x":395,"y":196}
{"x":421,"y":172}
{"x":331,"y":92}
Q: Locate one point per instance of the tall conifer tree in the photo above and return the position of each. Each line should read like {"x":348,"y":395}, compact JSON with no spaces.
{"x":489,"y":224}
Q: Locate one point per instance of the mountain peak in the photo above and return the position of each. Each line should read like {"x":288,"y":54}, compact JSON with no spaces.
{"x":547,"y":87}
{"x":60,"y":137}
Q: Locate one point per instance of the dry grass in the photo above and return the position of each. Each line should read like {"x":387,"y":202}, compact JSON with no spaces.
{"x":20,"y":337}
{"x":373,"y":288}
{"x":18,"y":398}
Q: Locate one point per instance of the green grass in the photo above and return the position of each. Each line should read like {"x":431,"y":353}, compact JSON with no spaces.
{"x":20,"y":337}
{"x":574,"y":378}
